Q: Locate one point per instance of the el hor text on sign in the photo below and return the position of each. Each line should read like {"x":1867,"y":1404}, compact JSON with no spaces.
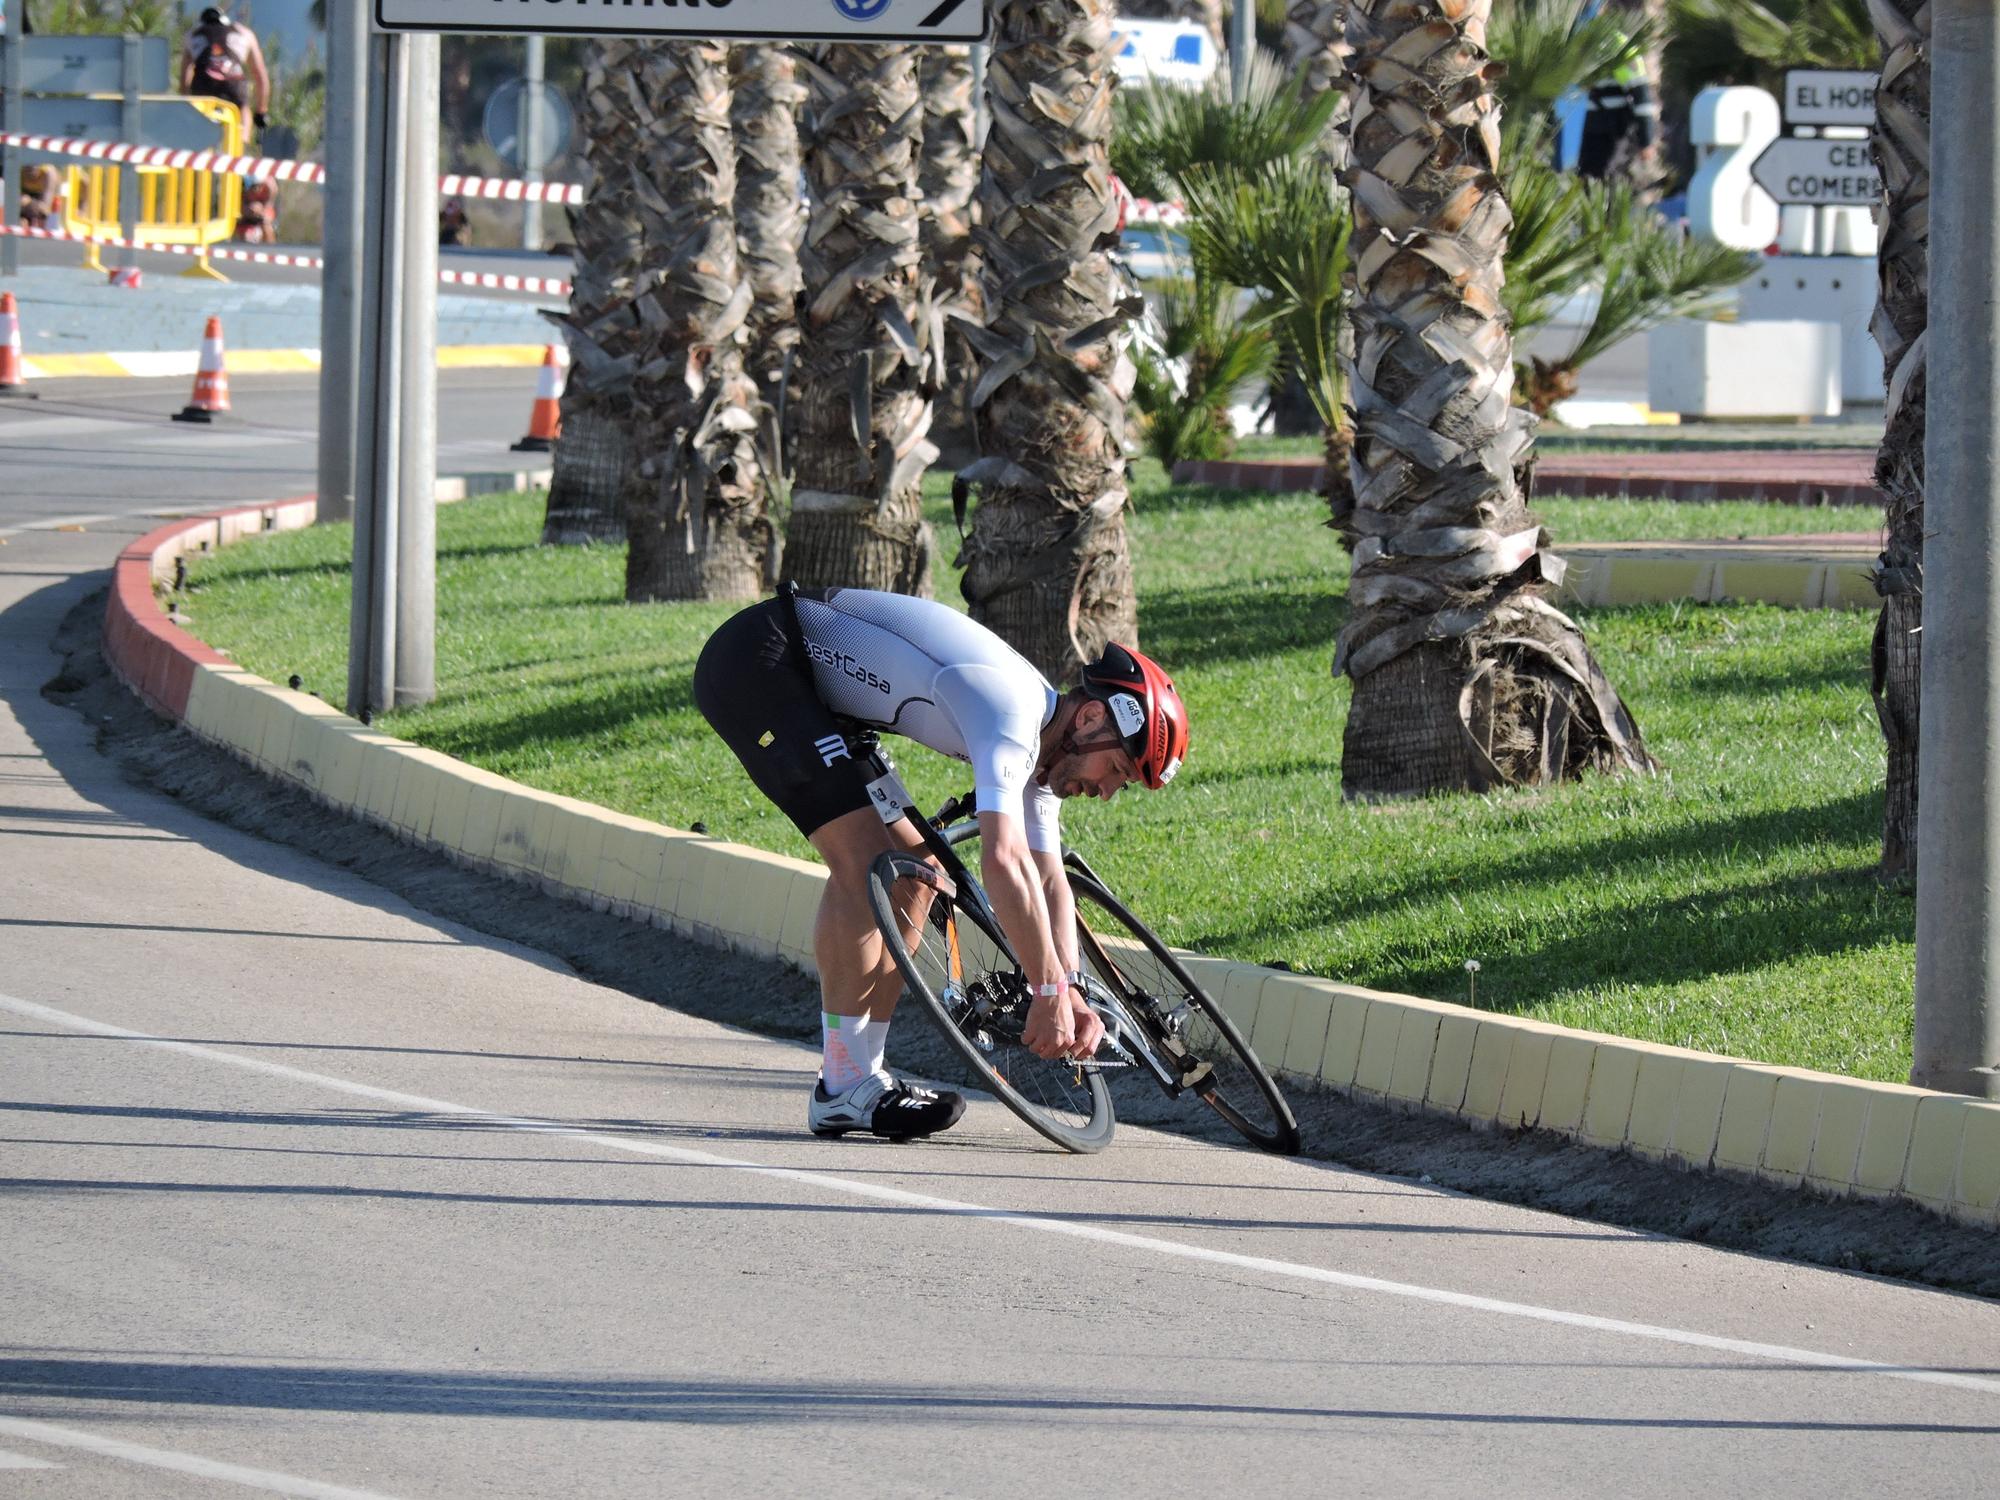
{"x":737,"y":20}
{"x":1830,"y":96}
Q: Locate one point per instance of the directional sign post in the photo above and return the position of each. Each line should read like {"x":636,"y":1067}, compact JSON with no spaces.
{"x":732,"y":20}
{"x":1823,"y":172}
{"x":1830,"y":96}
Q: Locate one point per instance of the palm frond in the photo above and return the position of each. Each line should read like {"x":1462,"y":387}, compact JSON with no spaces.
{"x":1281,"y":229}
{"x":1552,"y":46}
{"x":1755,"y":41}
{"x":1550,"y":256}
{"x":1164,"y":130}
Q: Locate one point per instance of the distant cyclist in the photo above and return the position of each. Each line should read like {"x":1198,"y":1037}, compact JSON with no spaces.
{"x":786,"y":682}
{"x":222,"y":60}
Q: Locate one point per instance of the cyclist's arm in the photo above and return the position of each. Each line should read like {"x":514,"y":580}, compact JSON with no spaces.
{"x":1013,"y":878}
{"x":1060,"y":905}
{"x":1059,"y":1024}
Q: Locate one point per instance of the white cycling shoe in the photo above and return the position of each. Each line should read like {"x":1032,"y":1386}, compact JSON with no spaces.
{"x":884,"y":1106}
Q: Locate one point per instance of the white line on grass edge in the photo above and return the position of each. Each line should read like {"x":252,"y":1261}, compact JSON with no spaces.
{"x":828,"y":1182}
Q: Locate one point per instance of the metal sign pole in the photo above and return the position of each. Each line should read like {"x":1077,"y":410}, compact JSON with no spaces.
{"x":1241,"y":33}
{"x":129,"y":123}
{"x":371,"y":667}
{"x":529,"y":134}
{"x":416,"y":482}
{"x":1957,"y":1045}
{"x":10,"y":119}
{"x":340,"y":281}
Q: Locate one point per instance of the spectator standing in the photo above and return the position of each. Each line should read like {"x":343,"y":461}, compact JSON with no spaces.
{"x":223,"y":60}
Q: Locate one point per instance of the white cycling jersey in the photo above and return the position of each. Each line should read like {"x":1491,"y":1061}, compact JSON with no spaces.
{"x":921,"y":669}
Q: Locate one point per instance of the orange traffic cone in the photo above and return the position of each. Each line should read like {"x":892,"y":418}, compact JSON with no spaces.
{"x":545,"y":421}
{"x":13,"y":373}
{"x":211,"y":380}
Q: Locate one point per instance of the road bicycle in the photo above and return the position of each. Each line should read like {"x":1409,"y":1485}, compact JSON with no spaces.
{"x":1159,"y":1023}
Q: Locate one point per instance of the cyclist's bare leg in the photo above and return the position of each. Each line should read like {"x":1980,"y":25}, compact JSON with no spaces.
{"x":857,"y":974}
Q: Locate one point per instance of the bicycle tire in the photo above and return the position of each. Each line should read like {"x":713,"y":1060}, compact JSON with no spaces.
{"x":955,"y":965}
{"x":1241,"y":1089}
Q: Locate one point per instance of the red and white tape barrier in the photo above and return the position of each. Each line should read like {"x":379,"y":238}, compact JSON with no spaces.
{"x":224,"y":252}
{"x":546,"y":285}
{"x":279,"y":169}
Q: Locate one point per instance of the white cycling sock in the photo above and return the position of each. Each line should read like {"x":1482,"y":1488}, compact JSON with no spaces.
{"x":853,"y":1048}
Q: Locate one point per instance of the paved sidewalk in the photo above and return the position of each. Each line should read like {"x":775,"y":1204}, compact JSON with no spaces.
{"x":67,"y":312}
{"x":1841,"y":476}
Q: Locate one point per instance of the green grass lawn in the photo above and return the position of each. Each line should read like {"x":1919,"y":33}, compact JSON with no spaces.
{"x":1727,"y":904}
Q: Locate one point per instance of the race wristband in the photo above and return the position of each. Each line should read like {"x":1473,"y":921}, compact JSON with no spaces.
{"x":1051,"y":991}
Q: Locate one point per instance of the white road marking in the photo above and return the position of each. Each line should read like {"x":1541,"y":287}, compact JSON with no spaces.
{"x":268,"y":1480}
{"x":827,"y":1182}
{"x":22,"y":1461}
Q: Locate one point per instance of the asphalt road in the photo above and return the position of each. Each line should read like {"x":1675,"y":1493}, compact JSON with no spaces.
{"x":86,"y":451}
{"x":309,"y":1193}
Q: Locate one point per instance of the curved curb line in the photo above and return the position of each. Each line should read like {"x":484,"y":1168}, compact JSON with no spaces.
{"x":1783,"y":1126}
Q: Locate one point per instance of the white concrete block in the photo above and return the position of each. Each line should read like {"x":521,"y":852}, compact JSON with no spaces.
{"x":1822,"y":289}
{"x":1765,"y":369}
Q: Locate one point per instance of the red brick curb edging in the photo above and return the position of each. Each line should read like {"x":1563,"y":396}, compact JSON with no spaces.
{"x":149,"y":653}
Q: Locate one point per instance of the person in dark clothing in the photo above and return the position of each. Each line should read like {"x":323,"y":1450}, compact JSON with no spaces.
{"x":222,"y":60}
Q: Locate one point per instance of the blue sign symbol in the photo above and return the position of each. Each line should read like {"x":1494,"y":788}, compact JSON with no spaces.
{"x":861,"y":10}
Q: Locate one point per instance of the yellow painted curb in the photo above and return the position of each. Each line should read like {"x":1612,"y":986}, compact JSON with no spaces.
{"x":1784,"y":1126}
{"x":152,"y":364}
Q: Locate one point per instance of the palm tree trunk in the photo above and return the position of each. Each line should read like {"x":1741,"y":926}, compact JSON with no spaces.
{"x":696,"y":513}
{"x":1902,"y":147}
{"x":871,"y":340}
{"x":1047,"y":563}
{"x":606,"y":343}
{"x":765,"y":97}
{"x":949,"y":178}
{"x":1465,"y":676}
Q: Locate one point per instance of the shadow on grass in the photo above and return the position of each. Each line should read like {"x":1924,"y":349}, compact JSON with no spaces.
{"x":1714,"y":944}
{"x":1833,"y":674}
{"x":573,"y":718}
{"x":1738,"y":929}
{"x":1185,"y":627}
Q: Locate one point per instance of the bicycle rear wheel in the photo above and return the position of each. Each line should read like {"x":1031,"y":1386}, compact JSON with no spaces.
{"x":1122,"y":953}
{"x":969,"y":984}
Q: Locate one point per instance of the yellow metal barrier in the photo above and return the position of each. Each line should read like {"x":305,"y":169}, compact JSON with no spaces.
{"x":177,"y":205}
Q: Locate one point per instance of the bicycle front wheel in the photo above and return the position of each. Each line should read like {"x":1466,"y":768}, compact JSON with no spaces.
{"x":1160,"y":995}
{"x":962,"y":974}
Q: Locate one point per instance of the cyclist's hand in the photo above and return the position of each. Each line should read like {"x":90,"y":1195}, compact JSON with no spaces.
{"x":1051,"y":1028}
{"x":1089,"y":1028}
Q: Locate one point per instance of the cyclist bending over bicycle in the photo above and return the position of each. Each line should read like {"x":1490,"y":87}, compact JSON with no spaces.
{"x":787,"y":681}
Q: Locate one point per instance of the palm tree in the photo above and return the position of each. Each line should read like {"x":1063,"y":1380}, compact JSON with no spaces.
{"x":949,"y":178}
{"x":1047,"y":562}
{"x":1755,"y":41}
{"x":765,"y":96}
{"x":1465,"y":676}
{"x":866,"y":362}
{"x":1902,"y":147}
{"x":607,"y":342}
{"x":696,"y":513}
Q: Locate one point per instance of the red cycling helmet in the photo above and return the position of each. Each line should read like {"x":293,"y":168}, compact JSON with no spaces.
{"x":1147,"y":712}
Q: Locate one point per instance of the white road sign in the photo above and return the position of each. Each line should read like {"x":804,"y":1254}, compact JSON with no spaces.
{"x":1829,"y":96}
{"x":1829,"y":173}
{"x":735,"y":20}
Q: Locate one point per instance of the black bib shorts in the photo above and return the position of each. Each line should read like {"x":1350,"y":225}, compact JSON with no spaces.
{"x":754,"y":687}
